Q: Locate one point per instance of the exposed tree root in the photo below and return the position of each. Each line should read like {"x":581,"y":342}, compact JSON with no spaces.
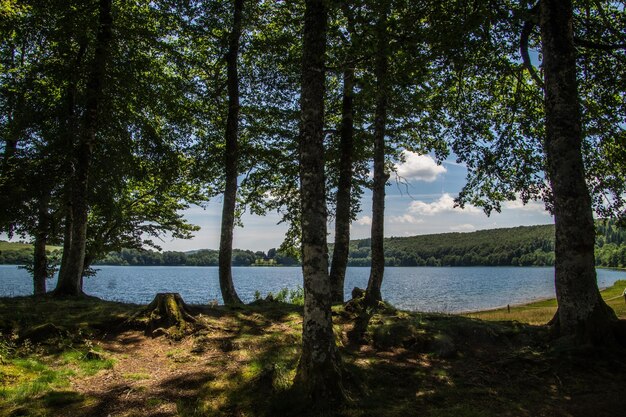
{"x":167,"y":315}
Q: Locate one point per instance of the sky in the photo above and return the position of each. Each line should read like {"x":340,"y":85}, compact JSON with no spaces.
{"x":424,"y":206}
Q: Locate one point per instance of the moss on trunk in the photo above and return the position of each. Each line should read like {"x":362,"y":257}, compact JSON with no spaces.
{"x":167,"y":315}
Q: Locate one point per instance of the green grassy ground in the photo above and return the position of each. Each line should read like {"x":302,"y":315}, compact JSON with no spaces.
{"x":83,"y":358}
{"x":17,"y":246}
{"x":542,"y":311}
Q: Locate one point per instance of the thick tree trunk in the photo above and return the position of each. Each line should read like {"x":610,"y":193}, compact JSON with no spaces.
{"x":582,"y":313}
{"x":373,"y":294}
{"x":40,"y":258}
{"x":68,"y":139}
{"x":70,"y":281}
{"x":167,"y":315}
{"x":344,"y":190}
{"x":318,"y":377}
{"x":231,"y":163}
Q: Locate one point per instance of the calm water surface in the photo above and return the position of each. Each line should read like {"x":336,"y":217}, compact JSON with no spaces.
{"x":422,"y":288}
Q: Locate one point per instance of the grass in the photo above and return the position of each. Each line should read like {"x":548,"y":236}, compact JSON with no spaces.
{"x":137,"y":376}
{"x":30,"y":382}
{"x":75,"y":315}
{"x":18,"y":246}
{"x":243,"y":361}
{"x":541,"y":312}
{"x":85,"y":362}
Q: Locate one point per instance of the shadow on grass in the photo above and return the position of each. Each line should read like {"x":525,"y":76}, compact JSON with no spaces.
{"x":410,"y":364}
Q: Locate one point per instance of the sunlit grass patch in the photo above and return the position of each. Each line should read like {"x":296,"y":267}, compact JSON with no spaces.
{"x":24,"y":381}
{"x":88,"y":362}
{"x":179,"y":356}
{"x":541,"y":312}
{"x":137,"y":376}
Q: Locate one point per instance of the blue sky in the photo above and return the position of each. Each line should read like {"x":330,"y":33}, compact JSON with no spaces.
{"x":426,"y":208}
{"x":423,"y":206}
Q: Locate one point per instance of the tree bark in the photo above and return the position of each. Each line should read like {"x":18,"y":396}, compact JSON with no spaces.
{"x":40,"y":258}
{"x":12,"y":129}
{"x":318,"y":376}
{"x":231,"y":163}
{"x":373,"y":294}
{"x":167,"y":315}
{"x":70,"y":132}
{"x":70,"y":281}
{"x":582,"y":314}
{"x":344,"y":190}
{"x":67,"y":239}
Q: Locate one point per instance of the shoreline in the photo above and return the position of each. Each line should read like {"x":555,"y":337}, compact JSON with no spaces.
{"x":504,"y":307}
{"x":528,"y":303}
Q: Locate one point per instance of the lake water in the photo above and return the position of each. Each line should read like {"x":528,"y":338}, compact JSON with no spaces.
{"x":439,"y":289}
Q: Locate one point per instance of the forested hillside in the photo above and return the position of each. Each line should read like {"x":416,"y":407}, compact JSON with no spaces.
{"x":532,"y":245}
{"x":517,"y":246}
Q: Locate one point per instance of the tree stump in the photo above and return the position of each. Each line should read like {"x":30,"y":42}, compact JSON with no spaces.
{"x":167,"y":315}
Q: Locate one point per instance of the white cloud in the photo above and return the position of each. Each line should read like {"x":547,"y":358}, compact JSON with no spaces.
{"x":445,"y":204}
{"x":405,"y":218}
{"x":532,"y":205}
{"x":419,"y":167}
{"x":364,"y":221}
{"x":463,"y":228}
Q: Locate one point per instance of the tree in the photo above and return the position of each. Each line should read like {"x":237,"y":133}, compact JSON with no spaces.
{"x":72,"y":268}
{"x":372,"y":294}
{"x":343,"y":212}
{"x":318,"y":375}
{"x":581,"y":311}
{"x":26,"y":184}
{"x":231,"y":162}
{"x":518,"y":146}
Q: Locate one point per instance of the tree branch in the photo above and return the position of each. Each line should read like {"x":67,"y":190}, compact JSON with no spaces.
{"x":599,"y":46}
{"x":523,"y":47}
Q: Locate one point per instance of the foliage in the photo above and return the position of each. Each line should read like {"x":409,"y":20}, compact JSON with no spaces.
{"x":53,"y":260}
{"x":284,"y":295}
{"x":204,"y":257}
{"x":519,"y":246}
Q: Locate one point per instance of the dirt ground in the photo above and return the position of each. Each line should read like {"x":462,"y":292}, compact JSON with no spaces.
{"x":241,"y":363}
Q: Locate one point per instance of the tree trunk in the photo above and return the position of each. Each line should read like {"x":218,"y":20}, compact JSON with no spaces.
{"x":373,"y":294}
{"x":67,"y":239}
{"x":582,"y":314}
{"x":344,"y":191}
{"x":318,"y":377}
{"x":40,"y":258}
{"x":167,"y":315}
{"x":70,"y":281}
{"x":68,"y":139}
{"x":231,"y":163}
{"x":13,"y":132}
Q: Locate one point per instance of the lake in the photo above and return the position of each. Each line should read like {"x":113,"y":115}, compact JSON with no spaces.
{"x":441,"y":289}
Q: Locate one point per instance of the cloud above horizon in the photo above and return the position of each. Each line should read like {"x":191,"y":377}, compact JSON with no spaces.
{"x":466,"y":227}
{"x":419,"y":167}
{"x":532,"y":205}
{"x":445,"y":204}
{"x":364,"y":221}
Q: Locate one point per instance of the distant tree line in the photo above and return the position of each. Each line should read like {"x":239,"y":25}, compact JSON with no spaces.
{"x":204,"y":257}
{"x":519,"y":246}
